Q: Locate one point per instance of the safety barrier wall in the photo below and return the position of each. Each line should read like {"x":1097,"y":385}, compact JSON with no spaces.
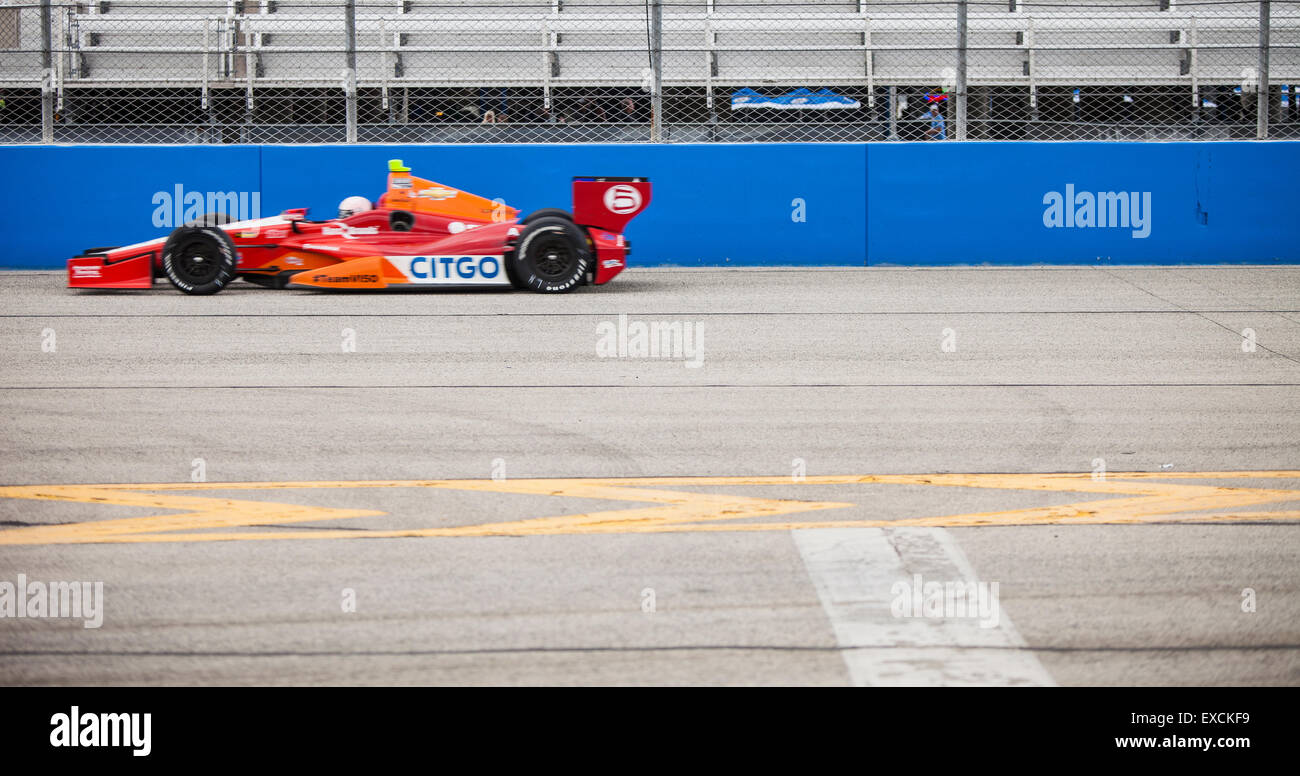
{"x":1006,"y":203}
{"x":721,"y":205}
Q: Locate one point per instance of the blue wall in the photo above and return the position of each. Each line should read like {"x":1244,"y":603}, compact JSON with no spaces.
{"x":60,"y":200}
{"x":719,"y":205}
{"x":976,"y":203}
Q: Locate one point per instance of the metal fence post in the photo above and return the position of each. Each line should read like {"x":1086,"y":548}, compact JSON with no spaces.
{"x":960,"y":118}
{"x":47,"y":75}
{"x":893,"y":112}
{"x":656,"y":71}
{"x":350,"y":74}
{"x":1262,"y":103}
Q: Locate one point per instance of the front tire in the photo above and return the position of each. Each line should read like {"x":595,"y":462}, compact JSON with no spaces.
{"x":200,"y":260}
{"x":216,"y":218}
{"x":552,"y":256}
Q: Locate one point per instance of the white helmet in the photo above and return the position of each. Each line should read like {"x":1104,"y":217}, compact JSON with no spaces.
{"x":353,"y":205}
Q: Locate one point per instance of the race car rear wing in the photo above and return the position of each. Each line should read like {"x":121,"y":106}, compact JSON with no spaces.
{"x":609,"y":203}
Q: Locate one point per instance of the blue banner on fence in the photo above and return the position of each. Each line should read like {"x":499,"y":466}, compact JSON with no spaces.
{"x":799,"y":99}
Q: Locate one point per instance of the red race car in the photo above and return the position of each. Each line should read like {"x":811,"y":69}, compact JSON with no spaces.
{"x":419,"y":233}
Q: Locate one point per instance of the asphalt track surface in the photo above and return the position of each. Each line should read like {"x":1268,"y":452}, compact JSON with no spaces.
{"x":446,"y":488}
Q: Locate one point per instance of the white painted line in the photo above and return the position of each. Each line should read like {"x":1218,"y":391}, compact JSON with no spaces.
{"x":862,"y":575}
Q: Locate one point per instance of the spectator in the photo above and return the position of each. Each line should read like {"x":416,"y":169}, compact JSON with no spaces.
{"x":552,"y":115}
{"x":938,"y":127}
{"x":589,"y":111}
{"x":492,"y":110}
{"x":630,"y":111}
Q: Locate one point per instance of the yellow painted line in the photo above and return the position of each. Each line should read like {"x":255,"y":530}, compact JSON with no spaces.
{"x":1137,"y":497}
{"x":196,"y":513}
{"x":674,"y":508}
{"x":1050,"y":481}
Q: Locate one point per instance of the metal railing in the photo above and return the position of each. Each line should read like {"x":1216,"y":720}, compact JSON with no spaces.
{"x":238,"y":71}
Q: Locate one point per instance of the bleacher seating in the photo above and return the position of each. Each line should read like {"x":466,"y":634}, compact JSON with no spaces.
{"x":249,"y":71}
{"x":602,"y":42}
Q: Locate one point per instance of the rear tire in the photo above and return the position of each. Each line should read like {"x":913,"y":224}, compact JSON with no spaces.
{"x":551,"y":256}
{"x":200,"y":260}
{"x":547,"y":212}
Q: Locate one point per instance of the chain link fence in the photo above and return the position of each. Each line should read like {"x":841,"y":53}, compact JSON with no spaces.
{"x":453,"y":71}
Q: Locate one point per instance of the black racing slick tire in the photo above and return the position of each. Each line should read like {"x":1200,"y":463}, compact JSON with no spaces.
{"x":200,"y":260}
{"x":552,"y":256}
{"x":211,"y":219}
{"x":547,"y":212}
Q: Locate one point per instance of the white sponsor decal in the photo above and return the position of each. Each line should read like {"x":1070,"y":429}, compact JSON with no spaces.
{"x":348,"y":232}
{"x":438,"y":192}
{"x":452,"y":270}
{"x":609,"y":263}
{"x":622,"y":199}
{"x":85,"y":271}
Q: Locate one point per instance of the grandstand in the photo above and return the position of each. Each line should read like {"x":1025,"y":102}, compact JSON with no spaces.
{"x":222,"y":71}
